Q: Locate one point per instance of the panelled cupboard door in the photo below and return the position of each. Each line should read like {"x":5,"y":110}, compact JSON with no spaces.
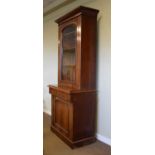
{"x":69,"y":53}
{"x":62,"y":116}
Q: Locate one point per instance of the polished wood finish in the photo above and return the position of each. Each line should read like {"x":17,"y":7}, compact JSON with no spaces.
{"x":74,"y":99}
{"x":74,"y":113}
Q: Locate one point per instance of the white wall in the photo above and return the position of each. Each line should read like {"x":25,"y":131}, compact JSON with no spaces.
{"x":104,"y":60}
{"x":50,"y":60}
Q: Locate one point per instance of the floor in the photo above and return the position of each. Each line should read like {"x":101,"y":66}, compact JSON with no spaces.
{"x":55,"y":146}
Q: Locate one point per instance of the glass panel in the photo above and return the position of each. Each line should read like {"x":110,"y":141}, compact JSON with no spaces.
{"x":68,"y":53}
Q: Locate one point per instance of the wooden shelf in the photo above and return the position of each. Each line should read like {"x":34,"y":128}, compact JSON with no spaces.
{"x":68,"y":65}
{"x":69,"y":50}
{"x":69,"y":33}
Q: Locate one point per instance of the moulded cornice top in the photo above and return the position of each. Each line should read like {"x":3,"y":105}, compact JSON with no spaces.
{"x":78,"y":11}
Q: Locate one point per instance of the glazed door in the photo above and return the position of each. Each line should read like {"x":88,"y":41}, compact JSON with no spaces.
{"x":69,"y":53}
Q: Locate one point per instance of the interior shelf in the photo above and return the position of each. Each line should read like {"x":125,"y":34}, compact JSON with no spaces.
{"x":68,"y":65}
{"x":69,"y":50}
{"x":69,"y":33}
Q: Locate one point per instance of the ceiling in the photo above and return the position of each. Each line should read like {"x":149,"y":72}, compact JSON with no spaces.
{"x":52,"y":5}
{"x":47,"y":2}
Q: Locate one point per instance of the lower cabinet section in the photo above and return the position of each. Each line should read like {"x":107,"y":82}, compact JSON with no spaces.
{"x":74,"y":116}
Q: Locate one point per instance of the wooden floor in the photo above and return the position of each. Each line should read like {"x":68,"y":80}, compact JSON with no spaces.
{"x":55,"y":146}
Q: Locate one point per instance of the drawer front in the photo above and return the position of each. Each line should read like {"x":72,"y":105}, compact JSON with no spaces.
{"x":63,"y":96}
{"x":62,"y":112}
{"x":60,"y":94}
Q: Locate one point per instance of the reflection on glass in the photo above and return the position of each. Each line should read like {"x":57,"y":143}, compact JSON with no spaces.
{"x":68,"y":53}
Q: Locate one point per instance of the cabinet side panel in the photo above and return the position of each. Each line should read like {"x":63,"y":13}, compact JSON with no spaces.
{"x":88,"y":52}
{"x":84,"y":115}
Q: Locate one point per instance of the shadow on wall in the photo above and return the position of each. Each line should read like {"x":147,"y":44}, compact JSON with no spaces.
{"x":97,"y":66}
{"x":97,"y":49}
{"x":44,"y":105}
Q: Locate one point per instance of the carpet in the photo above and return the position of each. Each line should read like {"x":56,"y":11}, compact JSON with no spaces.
{"x":52,"y":145}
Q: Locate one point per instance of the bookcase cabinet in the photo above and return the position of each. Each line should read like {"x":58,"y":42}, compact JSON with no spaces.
{"x":74,"y":98}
